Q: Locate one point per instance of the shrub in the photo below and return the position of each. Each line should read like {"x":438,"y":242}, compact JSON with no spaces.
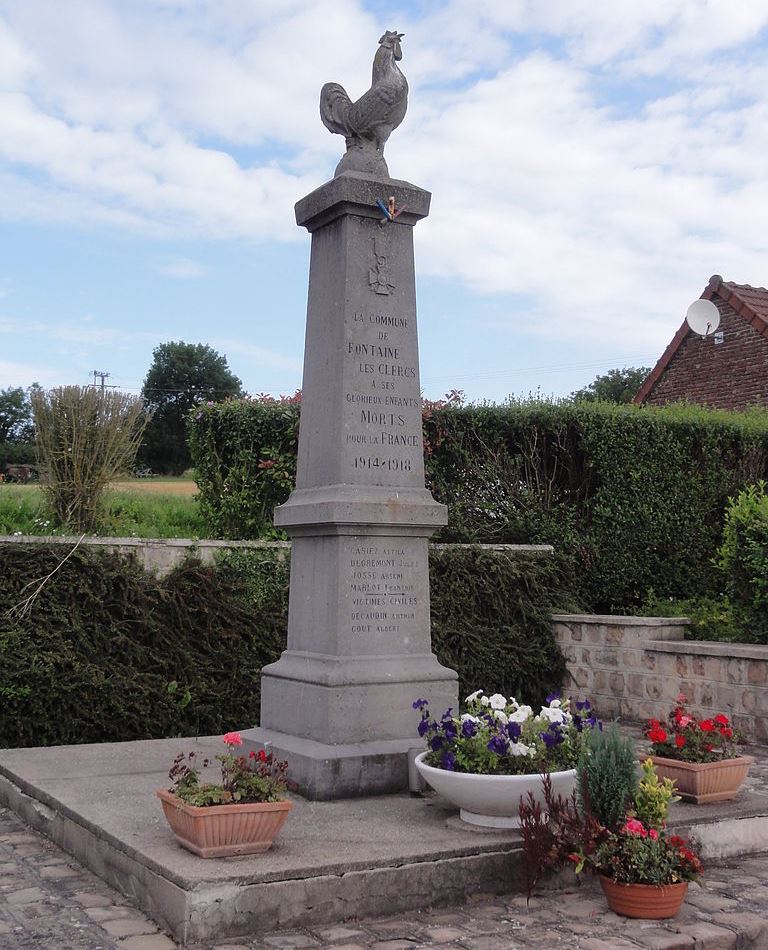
{"x":85,"y":437}
{"x":631,"y":497}
{"x":608,"y":776}
{"x":108,"y":652}
{"x":743,"y":556}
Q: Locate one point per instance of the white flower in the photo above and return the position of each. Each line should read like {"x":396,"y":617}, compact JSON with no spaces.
{"x":484,"y":701}
{"x":519,"y":748}
{"x":498,"y":701}
{"x":521,"y":714}
{"x":501,"y":717}
{"x":467,"y":718}
{"x":473,"y":696}
{"x":513,"y":702}
{"x":552,"y":714}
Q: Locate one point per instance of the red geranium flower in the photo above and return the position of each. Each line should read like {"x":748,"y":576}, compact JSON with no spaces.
{"x":706,"y":725}
{"x":679,"y":741}
{"x":657,"y":734}
{"x":722,"y":720}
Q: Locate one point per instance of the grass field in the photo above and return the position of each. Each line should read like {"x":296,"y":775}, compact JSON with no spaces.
{"x":139,"y":508}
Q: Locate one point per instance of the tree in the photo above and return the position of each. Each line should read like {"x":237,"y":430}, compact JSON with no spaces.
{"x":617,"y":385}
{"x":85,"y":437}
{"x":16,"y":415}
{"x":182,"y":375}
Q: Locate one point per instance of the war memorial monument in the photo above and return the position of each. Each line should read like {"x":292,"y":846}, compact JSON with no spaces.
{"x":337,"y":704}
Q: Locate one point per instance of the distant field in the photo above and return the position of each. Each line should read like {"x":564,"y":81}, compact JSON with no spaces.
{"x":145,"y":486}
{"x":142,"y":508}
{"x":157,"y":486}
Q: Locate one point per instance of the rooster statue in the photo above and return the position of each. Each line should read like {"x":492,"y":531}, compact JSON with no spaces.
{"x":368,"y":123}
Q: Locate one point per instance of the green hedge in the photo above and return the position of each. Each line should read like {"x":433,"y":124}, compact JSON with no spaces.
{"x":632,"y":497}
{"x":744,"y":558}
{"x":109,"y":652}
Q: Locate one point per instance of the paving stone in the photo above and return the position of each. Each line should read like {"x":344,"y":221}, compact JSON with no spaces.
{"x":443,"y":934}
{"x":111,"y":912}
{"x":148,"y":942}
{"x":710,"y":937}
{"x":57,"y":872}
{"x":754,"y":926}
{"x":91,"y":899}
{"x":490,"y":942}
{"x":665,"y":940}
{"x":338,"y":932}
{"x":26,"y":895}
{"x":290,"y":941}
{"x":129,"y":926}
{"x":607,"y":943}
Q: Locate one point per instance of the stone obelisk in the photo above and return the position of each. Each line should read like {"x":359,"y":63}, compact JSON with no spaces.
{"x":337,"y":704}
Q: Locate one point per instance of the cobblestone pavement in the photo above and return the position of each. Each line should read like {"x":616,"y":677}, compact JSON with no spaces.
{"x":50,"y":902}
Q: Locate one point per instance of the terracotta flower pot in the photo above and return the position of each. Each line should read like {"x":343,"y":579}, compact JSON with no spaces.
{"x":220,"y":831}
{"x":701,"y":782}
{"x":647,"y":901}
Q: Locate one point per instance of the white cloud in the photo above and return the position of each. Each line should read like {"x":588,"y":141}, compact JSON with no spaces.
{"x":23,"y":374}
{"x":560,"y":171}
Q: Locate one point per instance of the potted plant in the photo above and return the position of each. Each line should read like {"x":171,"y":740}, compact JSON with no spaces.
{"x":643,"y":870}
{"x":699,"y":755}
{"x":242,"y":814}
{"x":493,"y":755}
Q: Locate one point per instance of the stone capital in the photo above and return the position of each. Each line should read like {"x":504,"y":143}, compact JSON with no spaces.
{"x":354,"y":193}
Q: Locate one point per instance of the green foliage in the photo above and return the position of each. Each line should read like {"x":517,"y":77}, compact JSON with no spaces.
{"x":85,"y":437}
{"x":608,"y":776}
{"x":631,"y":497}
{"x":617,"y":385}
{"x":109,"y":652}
{"x":653,"y":798}
{"x":122,"y":514}
{"x":244,"y":454}
{"x":181,"y":377}
{"x":17,"y":453}
{"x":491,"y":620}
{"x":16,"y":415}
{"x":743,"y":557}
{"x":96,"y":658}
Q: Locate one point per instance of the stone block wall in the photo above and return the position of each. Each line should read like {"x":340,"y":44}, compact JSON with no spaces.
{"x":634,"y":667}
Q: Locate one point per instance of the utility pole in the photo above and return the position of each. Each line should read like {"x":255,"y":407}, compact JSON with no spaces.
{"x":103,"y":375}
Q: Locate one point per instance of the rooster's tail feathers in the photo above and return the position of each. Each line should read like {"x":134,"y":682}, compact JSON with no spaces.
{"x":334,"y":106}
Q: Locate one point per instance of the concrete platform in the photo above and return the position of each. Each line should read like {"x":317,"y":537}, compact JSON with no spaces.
{"x":332,"y":861}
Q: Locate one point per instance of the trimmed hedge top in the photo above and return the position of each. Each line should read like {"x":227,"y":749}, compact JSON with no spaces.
{"x":632,"y":497}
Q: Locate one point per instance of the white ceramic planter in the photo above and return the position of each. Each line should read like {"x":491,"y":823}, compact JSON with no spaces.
{"x":491,"y":801}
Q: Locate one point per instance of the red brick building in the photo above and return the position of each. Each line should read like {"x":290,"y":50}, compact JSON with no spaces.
{"x":725,"y":370}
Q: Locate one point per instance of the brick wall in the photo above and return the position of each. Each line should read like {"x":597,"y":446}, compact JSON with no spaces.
{"x":728,"y":375}
{"x":634,"y":667}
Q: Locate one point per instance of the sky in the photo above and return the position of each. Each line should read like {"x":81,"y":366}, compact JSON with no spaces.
{"x":592,"y":163}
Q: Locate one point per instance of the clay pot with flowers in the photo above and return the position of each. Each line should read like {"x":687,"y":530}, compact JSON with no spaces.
{"x":699,"y":755}
{"x":242,"y":814}
{"x":616,"y":828}
{"x":489,"y":758}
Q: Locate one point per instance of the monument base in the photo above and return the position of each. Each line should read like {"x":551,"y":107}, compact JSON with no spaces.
{"x":329,"y":772}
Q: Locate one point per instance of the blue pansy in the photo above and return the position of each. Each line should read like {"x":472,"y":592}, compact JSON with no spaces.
{"x":436,"y":743}
{"x":449,"y":761}
{"x":514,"y":730}
{"x":583,"y":706}
{"x":449,"y":729}
{"x":420,"y":704}
{"x":423,"y":727}
{"x":553,"y":696}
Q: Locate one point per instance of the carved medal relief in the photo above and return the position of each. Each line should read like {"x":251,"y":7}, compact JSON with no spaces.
{"x":379,"y":278}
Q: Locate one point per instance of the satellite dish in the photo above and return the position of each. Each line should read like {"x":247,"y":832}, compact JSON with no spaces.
{"x":703,"y":317}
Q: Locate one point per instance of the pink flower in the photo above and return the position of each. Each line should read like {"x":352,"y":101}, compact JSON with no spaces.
{"x":654,"y":834}
{"x":233,"y":738}
{"x":684,"y":721}
{"x":634,"y":827}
